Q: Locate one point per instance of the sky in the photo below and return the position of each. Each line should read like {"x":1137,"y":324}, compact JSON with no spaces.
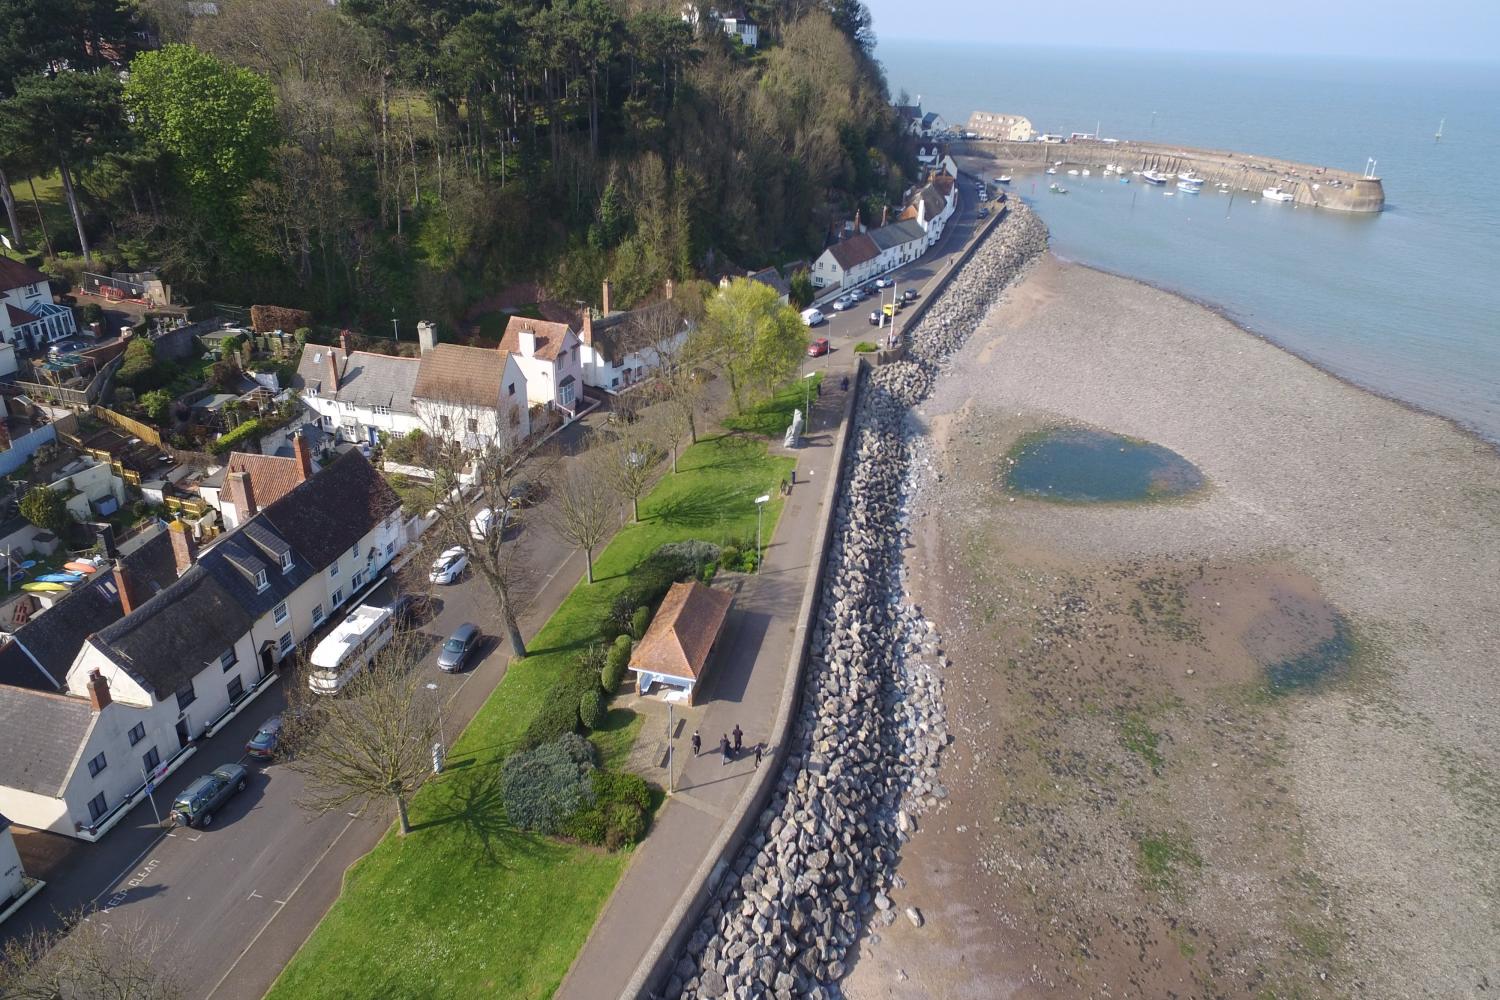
{"x":1430,"y":29}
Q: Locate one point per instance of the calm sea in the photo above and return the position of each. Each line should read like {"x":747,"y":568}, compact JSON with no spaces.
{"x":1406,"y":303}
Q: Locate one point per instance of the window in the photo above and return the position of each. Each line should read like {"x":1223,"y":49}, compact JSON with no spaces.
{"x":31,"y":289}
{"x":354,"y":552}
{"x":317,"y":615}
{"x":473,"y":425}
{"x":286,"y":562}
{"x":229,"y":659}
{"x":510,"y":389}
{"x":151,"y":760}
{"x":390,"y":549}
{"x":284,"y":644}
{"x":338,"y":598}
{"x":279,"y":614}
{"x":382,"y":410}
{"x":261,"y":583}
{"x":96,"y":765}
{"x":97,"y":807}
{"x":236,"y":689}
{"x":356,"y":580}
{"x":186,"y":696}
{"x":443,"y":422}
{"x":333,"y":570}
{"x":137,"y":733}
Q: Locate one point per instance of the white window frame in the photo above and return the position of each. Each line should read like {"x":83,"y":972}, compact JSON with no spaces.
{"x":280,"y":613}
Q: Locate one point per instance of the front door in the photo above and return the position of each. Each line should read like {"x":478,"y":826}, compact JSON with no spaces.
{"x":183,"y":737}
{"x":267,"y":661}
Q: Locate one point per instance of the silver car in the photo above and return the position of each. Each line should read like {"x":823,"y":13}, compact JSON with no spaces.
{"x":457,"y":649}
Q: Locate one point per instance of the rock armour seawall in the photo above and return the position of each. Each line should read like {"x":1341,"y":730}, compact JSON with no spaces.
{"x":870,"y":728}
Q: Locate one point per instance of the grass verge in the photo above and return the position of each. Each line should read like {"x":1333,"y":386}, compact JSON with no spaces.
{"x":466,"y":905}
{"x":772,"y":417}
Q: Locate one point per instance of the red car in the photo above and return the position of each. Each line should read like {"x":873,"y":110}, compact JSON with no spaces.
{"x":818,"y":348}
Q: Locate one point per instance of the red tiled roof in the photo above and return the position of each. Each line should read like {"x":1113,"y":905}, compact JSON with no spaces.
{"x":855,"y":251}
{"x":19,"y":316}
{"x":549,"y":336}
{"x":271,"y":476}
{"x":14,"y":274}
{"x":453,"y":373}
{"x":678,"y":642}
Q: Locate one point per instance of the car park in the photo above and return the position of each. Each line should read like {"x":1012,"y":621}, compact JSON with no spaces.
{"x":818,"y":348}
{"x":811,"y":317}
{"x":262,"y":746}
{"x":198,"y":802}
{"x":459,"y":647}
{"x":449,"y":566}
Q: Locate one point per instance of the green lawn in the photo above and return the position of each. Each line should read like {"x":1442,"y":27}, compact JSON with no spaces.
{"x":49,"y":196}
{"x":772,"y":417}
{"x":466,"y":905}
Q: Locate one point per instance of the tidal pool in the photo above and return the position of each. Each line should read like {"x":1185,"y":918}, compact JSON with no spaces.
{"x":1078,"y":465}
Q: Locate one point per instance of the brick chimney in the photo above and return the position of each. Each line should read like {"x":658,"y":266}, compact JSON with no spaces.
{"x":304,"y":456}
{"x":241,"y":494}
{"x":125,"y":584}
{"x":98,"y":691}
{"x":885,"y":213}
{"x":586,"y":333}
{"x":344,"y":341}
{"x":333,"y":370}
{"x":426,"y":335}
{"x":184,"y":546}
{"x":604,"y":306}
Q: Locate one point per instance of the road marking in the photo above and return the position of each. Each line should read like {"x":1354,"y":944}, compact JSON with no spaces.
{"x":255,"y":895}
{"x":290,"y":896}
{"x":128,"y":869}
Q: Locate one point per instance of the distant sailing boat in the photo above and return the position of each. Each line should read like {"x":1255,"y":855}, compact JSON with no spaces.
{"x":1439,"y":136}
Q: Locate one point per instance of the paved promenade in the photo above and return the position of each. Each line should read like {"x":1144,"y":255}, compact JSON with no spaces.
{"x":744,"y":690}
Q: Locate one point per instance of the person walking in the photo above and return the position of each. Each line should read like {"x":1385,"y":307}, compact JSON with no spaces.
{"x":759,"y":749}
{"x":724,"y":750}
{"x":738,"y":736}
{"x":844,"y":385}
{"x":697,"y":743}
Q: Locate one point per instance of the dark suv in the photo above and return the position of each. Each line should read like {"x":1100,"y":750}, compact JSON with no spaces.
{"x":200,"y":800}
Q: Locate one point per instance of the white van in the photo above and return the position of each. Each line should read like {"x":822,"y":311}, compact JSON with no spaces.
{"x":811,"y":317}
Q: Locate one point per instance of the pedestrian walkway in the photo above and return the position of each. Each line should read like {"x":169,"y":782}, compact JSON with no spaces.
{"x":745,"y":689}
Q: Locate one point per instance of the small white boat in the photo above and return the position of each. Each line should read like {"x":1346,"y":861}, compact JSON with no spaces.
{"x":1072,"y":173}
{"x":1086,"y":172}
{"x":1190,"y":186}
{"x":1051,"y":170}
{"x":1153,"y":177}
{"x":1003,"y":179}
{"x":1276,"y":194}
{"x":1167,"y":194}
{"x":1188,"y":175}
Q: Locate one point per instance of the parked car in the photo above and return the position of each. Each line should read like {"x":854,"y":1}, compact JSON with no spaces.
{"x":844,"y":302}
{"x":910,"y":295}
{"x":481,"y":523}
{"x":262,"y":746}
{"x":460,"y":645}
{"x":884,"y":282}
{"x":200,"y":800}
{"x":811,"y":317}
{"x":818,"y":348}
{"x":449,"y":566}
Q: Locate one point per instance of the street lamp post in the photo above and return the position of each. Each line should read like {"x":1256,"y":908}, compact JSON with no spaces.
{"x":437,"y":702}
{"x":395,"y":328}
{"x":807,"y":399}
{"x":760,"y":506}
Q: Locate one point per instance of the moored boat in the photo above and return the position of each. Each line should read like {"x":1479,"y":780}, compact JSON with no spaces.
{"x":81,"y":567}
{"x":1153,"y":177}
{"x":1276,"y":194}
{"x":1190,"y":186}
{"x":1003,"y":179}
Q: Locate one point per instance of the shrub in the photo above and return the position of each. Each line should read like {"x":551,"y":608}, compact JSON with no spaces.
{"x":729,"y":557}
{"x":675,"y":561}
{"x":158,"y":403}
{"x":138,"y":368}
{"x":45,"y":508}
{"x":249,"y":429}
{"x":592,"y":706}
{"x":639,"y":622}
{"x":616,"y":663}
{"x":865,"y":347}
{"x":621,"y":611}
{"x":617,"y":815}
{"x":557,"y":718}
{"x":542,"y":788}
{"x":93,"y":312}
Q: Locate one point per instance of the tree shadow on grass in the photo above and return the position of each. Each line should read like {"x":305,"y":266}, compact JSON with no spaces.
{"x":692,"y":509}
{"x":582,"y":641}
{"x":475,"y":805}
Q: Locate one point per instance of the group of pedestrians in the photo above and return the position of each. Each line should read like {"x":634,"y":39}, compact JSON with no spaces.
{"x":728,"y":751}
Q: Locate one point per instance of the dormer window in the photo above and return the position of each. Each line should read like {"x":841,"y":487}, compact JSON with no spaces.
{"x":261,"y":583}
{"x":286,"y":562}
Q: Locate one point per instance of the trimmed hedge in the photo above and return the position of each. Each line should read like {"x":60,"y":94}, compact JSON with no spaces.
{"x":639,"y":622}
{"x":251,"y":428}
{"x":592,"y":707}
{"x":544,"y":787}
{"x":617,"y":816}
{"x":561,"y":710}
{"x":616,"y":663}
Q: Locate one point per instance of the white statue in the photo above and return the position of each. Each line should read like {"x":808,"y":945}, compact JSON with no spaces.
{"x":794,"y":432}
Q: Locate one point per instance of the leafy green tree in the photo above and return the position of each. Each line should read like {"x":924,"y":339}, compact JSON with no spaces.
{"x":44,"y":507}
{"x":140,"y":359}
{"x":217,"y":121}
{"x":158,"y":403}
{"x":801,"y":288}
{"x":756,"y":341}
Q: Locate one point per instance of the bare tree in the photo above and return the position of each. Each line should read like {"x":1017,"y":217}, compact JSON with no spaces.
{"x":93,"y":955}
{"x":582,"y":506}
{"x":481,"y":473}
{"x":629,"y":461}
{"x":373,"y":739}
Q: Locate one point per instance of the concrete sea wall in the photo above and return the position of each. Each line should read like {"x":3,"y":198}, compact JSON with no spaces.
{"x":1320,"y":187}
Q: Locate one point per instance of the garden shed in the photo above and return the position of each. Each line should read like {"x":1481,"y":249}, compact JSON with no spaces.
{"x":677,"y":647}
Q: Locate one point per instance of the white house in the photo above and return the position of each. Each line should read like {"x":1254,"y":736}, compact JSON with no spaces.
{"x":898,"y":243}
{"x":551,"y":359}
{"x":622,"y":348}
{"x":144,"y":687}
{"x":994,"y":125}
{"x":847,"y":263}
{"x":29,"y":319}
{"x":932,"y":206}
{"x":472,"y":394}
{"x":741,"y":27}
{"x":357,"y":394}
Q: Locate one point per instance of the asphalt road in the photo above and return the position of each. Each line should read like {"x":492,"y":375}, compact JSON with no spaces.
{"x":236,"y":900}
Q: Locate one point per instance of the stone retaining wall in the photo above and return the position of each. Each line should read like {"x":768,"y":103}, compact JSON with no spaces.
{"x":817,"y":869}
